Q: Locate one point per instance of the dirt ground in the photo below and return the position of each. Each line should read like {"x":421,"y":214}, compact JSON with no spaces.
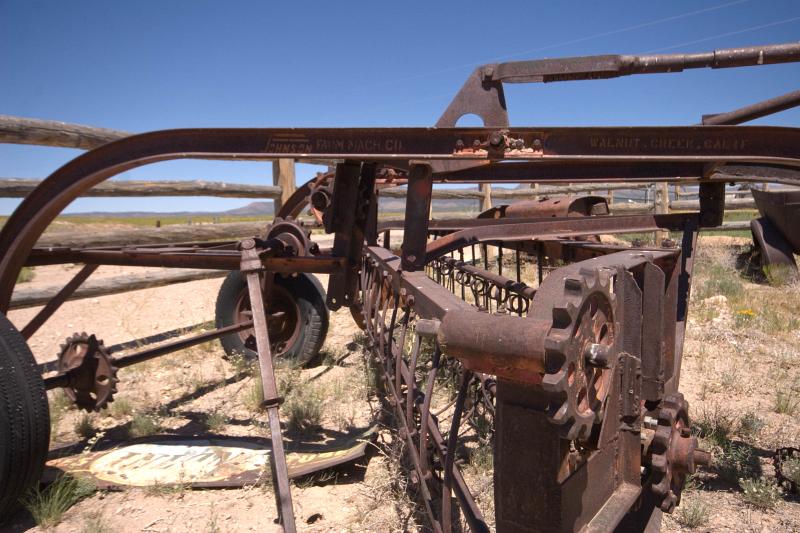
{"x":738,"y":358}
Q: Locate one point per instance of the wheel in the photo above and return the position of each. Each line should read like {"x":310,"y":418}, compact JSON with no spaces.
{"x":297,"y":319}
{"x":24,"y":419}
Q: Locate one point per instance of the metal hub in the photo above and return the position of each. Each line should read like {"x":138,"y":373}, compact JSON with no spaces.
{"x":283,"y":320}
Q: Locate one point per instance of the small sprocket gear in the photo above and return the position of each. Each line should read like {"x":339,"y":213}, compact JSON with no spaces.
{"x":92,"y":377}
{"x":580,"y":352}
{"x":673,"y":453}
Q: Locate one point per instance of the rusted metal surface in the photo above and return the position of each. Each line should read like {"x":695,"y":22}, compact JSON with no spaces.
{"x":550,"y":207}
{"x":565,"y":353}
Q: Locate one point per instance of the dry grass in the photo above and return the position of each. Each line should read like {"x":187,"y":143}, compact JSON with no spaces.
{"x":47,"y":506}
{"x":143,"y":425}
{"x":693,"y":511}
{"x":84,"y":427}
{"x":25,"y":275}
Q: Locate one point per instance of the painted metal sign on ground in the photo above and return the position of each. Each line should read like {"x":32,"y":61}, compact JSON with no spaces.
{"x":199,"y":462}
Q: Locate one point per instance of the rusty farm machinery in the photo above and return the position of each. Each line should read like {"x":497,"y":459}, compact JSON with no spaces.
{"x":572,"y":371}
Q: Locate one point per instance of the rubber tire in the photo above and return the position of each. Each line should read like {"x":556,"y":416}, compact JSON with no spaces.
{"x":314,"y":315}
{"x":24,"y":419}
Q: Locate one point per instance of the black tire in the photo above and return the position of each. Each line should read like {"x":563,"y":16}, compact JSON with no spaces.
{"x":307,"y":294}
{"x":24,"y":419}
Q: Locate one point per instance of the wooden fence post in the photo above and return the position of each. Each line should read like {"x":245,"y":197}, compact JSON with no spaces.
{"x":661,"y":199}
{"x":486,"y":201}
{"x":283,"y":176}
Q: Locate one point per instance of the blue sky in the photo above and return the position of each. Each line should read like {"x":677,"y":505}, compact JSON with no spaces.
{"x":147,"y":65}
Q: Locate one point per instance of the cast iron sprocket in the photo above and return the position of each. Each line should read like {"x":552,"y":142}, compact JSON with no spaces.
{"x":579,"y":352}
{"x":674,"y":451}
{"x":92,"y":375}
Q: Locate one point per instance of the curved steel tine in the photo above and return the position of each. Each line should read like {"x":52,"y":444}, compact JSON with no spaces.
{"x":449,"y":458}
{"x":412,"y":382}
{"x":426,"y":408}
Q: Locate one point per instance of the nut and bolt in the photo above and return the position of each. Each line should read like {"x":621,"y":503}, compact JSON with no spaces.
{"x":597,"y":354}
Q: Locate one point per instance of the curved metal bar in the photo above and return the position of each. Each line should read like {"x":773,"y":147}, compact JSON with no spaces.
{"x":555,"y":227}
{"x":765,"y":145}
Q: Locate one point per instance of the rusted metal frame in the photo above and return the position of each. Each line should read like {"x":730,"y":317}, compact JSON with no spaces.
{"x":684,"y":272}
{"x":411,"y":384}
{"x":19,"y":234}
{"x":483,"y":283}
{"x":55,"y":303}
{"x":754,"y":111}
{"x":257,"y":281}
{"x":423,"y":288}
{"x":418,"y":204}
{"x":601,"y":171}
{"x":510,"y":285}
{"x":322,"y":264}
{"x":557,"y":227}
{"x":151,"y":353}
{"x":382,"y":329}
{"x":482,"y":94}
{"x":341,"y":220}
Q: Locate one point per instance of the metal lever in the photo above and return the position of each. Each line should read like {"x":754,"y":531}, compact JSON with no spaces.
{"x":251,"y":266}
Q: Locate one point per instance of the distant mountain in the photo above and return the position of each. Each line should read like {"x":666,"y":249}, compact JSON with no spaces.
{"x":251,"y":209}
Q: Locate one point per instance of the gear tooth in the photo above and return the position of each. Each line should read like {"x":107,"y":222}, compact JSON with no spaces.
{"x":573,"y":284}
{"x":555,"y":382}
{"x":555,"y":344}
{"x":571,"y":432}
{"x":668,"y":505}
{"x":559,"y":415}
{"x":659,"y":462}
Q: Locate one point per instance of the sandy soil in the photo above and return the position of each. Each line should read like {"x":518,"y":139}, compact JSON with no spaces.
{"x":727,"y":366}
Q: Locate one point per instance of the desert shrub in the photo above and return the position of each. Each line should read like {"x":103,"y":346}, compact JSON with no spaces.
{"x":736,"y":461}
{"x":304,"y":409}
{"x":790,"y":468}
{"x":786,"y":402}
{"x":143,"y":426}
{"x":750,"y":425}
{"x":84,"y":427}
{"x":215,"y":421}
{"x":760,"y":493}
{"x":715,"y":425}
{"x":120,"y":407}
{"x":693,"y":513}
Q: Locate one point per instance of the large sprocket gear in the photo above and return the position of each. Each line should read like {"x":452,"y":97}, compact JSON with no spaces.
{"x":92,"y":377}
{"x":673,"y":453}
{"x":580,"y":352}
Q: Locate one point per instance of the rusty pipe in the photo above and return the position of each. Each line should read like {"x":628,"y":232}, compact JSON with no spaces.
{"x":509,"y":347}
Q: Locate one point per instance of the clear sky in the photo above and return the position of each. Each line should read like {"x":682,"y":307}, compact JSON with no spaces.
{"x":146,"y":65}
